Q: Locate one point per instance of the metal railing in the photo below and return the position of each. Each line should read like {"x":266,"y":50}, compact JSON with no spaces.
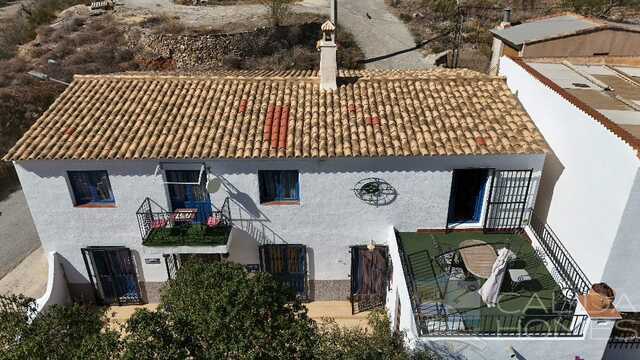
{"x":626,"y":332}
{"x":572,"y":276}
{"x":561,"y":322}
{"x":408,"y":275}
{"x":160,"y":227}
{"x":503,"y":325}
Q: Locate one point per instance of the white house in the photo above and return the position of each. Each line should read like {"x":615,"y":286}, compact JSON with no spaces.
{"x":364,"y":186}
{"x":590,"y":192}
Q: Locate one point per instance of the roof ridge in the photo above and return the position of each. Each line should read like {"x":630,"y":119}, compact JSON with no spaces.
{"x":418,"y":74}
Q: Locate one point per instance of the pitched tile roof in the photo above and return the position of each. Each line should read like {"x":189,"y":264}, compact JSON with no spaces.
{"x":267,"y":114}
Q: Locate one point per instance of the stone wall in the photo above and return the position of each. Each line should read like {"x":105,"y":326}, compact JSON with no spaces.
{"x":207,"y":51}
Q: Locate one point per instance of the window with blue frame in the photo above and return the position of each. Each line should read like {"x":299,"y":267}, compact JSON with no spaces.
{"x":91,"y":187}
{"x":278,"y":185}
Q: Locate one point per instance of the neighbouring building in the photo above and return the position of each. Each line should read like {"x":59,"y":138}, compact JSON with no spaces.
{"x":589,"y":195}
{"x":567,"y":36}
{"x":388,"y":188}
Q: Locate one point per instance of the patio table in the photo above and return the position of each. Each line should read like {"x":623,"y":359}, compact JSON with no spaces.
{"x":478,"y":257}
{"x":183,"y":216}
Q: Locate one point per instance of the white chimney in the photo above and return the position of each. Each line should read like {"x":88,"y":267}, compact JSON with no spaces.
{"x":328,"y":63}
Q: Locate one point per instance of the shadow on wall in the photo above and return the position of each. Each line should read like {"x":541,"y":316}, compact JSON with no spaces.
{"x":551,"y":172}
{"x":243,"y":200}
{"x":247,"y":217}
{"x":454,"y":350}
{"x":311,"y":266}
{"x":259,"y":231}
{"x":243,"y":247}
{"x":140,"y":274}
{"x":81,"y":291}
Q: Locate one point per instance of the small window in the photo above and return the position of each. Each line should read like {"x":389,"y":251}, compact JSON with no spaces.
{"x":91,"y":187}
{"x":278,"y":185}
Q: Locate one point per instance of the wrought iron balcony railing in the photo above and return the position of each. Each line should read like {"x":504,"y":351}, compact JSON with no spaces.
{"x":561,"y":322}
{"x":199,"y":226}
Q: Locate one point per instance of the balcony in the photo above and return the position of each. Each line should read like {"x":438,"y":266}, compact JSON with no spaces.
{"x":444,"y":293}
{"x":200,"y":226}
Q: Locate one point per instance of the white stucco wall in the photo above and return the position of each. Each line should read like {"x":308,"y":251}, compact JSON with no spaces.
{"x":398,"y":295}
{"x":57,"y":292}
{"x":329,"y":218}
{"x":587,"y":183}
{"x":622,"y":266}
{"x":591,"y":346}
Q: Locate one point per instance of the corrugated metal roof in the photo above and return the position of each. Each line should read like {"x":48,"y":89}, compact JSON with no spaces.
{"x":545,"y":29}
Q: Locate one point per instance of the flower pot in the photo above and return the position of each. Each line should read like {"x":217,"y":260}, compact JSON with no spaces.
{"x":601,"y":296}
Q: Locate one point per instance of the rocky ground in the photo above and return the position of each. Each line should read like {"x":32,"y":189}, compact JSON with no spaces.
{"x":427,"y":19}
{"x":378,"y":32}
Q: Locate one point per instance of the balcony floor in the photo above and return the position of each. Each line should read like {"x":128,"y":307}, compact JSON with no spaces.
{"x":533,"y":298}
{"x":194,"y":235}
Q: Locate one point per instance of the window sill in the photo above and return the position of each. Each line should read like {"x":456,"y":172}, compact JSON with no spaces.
{"x":91,"y":206}
{"x":284,"y":202}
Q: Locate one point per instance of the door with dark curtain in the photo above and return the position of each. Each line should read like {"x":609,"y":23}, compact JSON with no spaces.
{"x":369,"y":272}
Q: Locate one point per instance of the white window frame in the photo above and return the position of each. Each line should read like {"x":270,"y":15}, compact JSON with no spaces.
{"x":163,"y":166}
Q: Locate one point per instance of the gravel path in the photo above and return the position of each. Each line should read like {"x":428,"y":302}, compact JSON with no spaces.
{"x":377,"y":31}
{"x":18,"y":236}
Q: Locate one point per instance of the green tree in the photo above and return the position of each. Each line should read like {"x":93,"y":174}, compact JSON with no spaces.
{"x":379,"y":342}
{"x":221,"y":311}
{"x":60,"y":332}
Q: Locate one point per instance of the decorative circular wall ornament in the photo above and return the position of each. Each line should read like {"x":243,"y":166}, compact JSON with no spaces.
{"x":374,"y":191}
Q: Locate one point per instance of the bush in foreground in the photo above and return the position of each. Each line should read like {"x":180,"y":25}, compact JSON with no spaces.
{"x":209,"y":311}
{"x":60,"y":332}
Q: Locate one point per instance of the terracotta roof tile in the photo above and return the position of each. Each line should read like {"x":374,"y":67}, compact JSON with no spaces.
{"x":270,"y":114}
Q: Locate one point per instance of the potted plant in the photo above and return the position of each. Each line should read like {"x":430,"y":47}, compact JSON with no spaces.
{"x":601,"y":296}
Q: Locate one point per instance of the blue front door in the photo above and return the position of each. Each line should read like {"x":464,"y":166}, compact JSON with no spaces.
{"x":192,"y":195}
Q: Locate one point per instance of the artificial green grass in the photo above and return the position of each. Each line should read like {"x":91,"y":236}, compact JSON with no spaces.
{"x":530,"y":301}
{"x":194,"y":235}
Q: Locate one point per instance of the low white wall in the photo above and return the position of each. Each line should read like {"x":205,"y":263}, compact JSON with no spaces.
{"x":587,"y":182}
{"x":589,"y":347}
{"x":399,"y":294}
{"x":623,"y":267}
{"x":57,"y":292}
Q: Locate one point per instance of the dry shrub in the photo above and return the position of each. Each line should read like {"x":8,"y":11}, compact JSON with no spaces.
{"x":164,"y":24}
{"x":305,"y":59}
{"x":21,"y":28}
{"x":279,"y":10}
{"x":232,"y":62}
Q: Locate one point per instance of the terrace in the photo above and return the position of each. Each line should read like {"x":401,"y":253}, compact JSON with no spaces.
{"x":189,"y":227}
{"x":445,"y":293}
